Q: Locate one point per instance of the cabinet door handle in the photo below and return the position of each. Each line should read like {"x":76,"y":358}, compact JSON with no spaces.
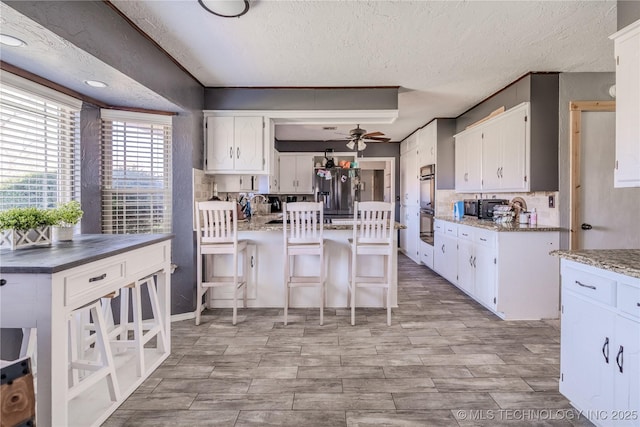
{"x":466,"y":176}
{"x":620,"y":358}
{"x":501,"y":169}
{"x":231,"y":152}
{"x":238,"y":152}
{"x":252,"y":264}
{"x":442,"y":248}
{"x":471,"y":261}
{"x":4,"y":282}
{"x":498,"y":172}
{"x":474,"y":262}
{"x":638,"y":303}
{"x":605,"y":349}
{"x":98,"y":278}
{"x":585,"y":286}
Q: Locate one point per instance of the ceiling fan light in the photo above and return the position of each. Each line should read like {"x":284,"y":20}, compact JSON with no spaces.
{"x":226,"y":8}
{"x":361,"y":145}
{"x":351,"y":145}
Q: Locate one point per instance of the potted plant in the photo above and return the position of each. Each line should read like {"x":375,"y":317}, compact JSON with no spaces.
{"x":23,"y":227}
{"x":65,"y":217}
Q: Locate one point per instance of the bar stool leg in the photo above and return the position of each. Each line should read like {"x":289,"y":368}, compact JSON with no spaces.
{"x":137,"y":329}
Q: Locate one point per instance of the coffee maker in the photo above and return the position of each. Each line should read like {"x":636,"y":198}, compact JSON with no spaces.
{"x":276,"y":206}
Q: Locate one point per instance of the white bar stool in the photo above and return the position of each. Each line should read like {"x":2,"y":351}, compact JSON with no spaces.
{"x":143,"y":330}
{"x":302,"y":226}
{"x":217,"y":228}
{"x":103,"y":366}
{"x":372,"y":235}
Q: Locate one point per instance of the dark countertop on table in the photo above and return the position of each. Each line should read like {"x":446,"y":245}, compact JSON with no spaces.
{"x":83,"y":249}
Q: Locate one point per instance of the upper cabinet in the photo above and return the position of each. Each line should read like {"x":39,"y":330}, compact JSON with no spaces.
{"x":468,"y":161}
{"x":236,"y":145}
{"x":409,"y":172}
{"x":494,"y":156}
{"x":296,"y":173}
{"x":427,"y":142}
{"x":627,"y":53}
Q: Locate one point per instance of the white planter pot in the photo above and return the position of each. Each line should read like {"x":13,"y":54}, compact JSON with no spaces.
{"x":18,"y":239}
{"x":62,"y":234}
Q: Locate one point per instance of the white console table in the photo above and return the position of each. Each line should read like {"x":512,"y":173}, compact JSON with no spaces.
{"x":39,"y":287}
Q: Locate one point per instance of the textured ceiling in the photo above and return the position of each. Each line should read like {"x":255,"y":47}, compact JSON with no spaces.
{"x":445,"y":55}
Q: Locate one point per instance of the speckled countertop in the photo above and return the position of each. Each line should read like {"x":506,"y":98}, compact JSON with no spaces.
{"x":490,"y":225}
{"x":260,"y":223}
{"x":622,"y":261}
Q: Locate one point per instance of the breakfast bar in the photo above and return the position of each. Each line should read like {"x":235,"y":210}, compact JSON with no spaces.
{"x":266,"y":274}
{"x":41,"y":286}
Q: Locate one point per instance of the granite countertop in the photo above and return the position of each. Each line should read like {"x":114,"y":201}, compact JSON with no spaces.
{"x":83,"y":249}
{"x":260,"y":223}
{"x":622,"y":261}
{"x":490,"y":225}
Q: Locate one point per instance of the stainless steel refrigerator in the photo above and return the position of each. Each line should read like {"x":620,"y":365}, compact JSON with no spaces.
{"x":337,"y":189}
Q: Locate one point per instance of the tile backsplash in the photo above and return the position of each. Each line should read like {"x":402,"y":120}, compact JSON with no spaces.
{"x":537,"y":199}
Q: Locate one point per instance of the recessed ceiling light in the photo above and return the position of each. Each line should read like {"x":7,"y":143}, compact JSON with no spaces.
{"x":95,"y":83}
{"x":8,"y":40}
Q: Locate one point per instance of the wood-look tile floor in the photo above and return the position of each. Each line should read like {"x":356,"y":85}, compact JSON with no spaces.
{"x":444,"y":361}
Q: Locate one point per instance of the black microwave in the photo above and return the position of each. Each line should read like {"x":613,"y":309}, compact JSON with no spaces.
{"x":485,"y":210}
{"x":471,"y":207}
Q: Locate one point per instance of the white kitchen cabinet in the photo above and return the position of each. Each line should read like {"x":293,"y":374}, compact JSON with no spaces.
{"x":409,"y":173}
{"x":296,"y":173}
{"x":234,"y":145}
{"x":274,"y":176}
{"x":494,"y":156}
{"x":445,"y":251}
{"x":627,"y":53}
{"x":427,"y":143}
{"x":468,"y":161}
{"x":510,"y":273}
{"x":426,"y":254}
{"x":505,"y":143}
{"x":238,"y":183}
{"x":410,"y":237}
{"x":600,"y":344}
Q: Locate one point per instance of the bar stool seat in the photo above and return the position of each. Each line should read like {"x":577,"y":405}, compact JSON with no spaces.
{"x":303,"y":226}
{"x":217,"y":228}
{"x":372,"y":236}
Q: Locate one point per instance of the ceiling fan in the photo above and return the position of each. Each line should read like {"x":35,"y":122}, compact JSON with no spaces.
{"x":358,"y":136}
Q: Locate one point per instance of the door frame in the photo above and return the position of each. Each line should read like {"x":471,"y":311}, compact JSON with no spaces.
{"x":575,"y":157}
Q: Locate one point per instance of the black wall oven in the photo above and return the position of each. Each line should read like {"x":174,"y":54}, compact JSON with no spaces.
{"x":427,"y":202}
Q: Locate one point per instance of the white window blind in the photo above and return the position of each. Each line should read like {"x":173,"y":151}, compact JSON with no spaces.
{"x":136,"y":173}
{"x":39,"y":145}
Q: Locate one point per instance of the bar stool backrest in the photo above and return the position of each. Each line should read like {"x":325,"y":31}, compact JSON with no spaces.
{"x":372,"y":223}
{"x":217,"y":222}
{"x":302,"y":222}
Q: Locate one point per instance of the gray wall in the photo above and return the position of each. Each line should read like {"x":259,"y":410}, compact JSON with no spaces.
{"x":445,"y":168}
{"x":574,"y":87}
{"x":96,"y":28}
{"x":301,"y":99}
{"x":628,"y":12}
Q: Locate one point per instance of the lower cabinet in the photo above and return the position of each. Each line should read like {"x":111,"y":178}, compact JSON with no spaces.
{"x":511,"y":273}
{"x":600,"y":344}
{"x":426,"y":254}
{"x":410,"y":236}
{"x":445,"y":256}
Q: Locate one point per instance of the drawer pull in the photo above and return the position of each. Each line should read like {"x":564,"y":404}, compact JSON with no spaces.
{"x":483,"y":239}
{"x":619,"y":358}
{"x":4,"y":282}
{"x":98,"y":278}
{"x":585,"y":286}
{"x":465,"y":234}
{"x":605,"y":350}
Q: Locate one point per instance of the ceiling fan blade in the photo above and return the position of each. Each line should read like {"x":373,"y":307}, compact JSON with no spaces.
{"x":378,"y":139}
{"x":377,"y":133}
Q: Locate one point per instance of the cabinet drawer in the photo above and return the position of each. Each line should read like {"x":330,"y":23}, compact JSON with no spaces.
{"x":438,"y":226}
{"x":629,"y":299}
{"x":484,"y":237}
{"x":90,"y":283}
{"x":588,"y":284}
{"x":451,"y":229}
{"x":17,"y":307}
{"x":140,"y":259}
{"x":466,"y":232}
{"x":426,"y":255}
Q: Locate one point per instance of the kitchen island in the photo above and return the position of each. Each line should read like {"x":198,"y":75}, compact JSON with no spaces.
{"x":600,"y":334}
{"x":41,"y":286}
{"x":265,"y":284}
{"x":506,"y":267}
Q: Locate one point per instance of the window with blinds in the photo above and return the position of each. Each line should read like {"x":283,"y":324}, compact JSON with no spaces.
{"x":39,"y":145}
{"x":136,"y":173}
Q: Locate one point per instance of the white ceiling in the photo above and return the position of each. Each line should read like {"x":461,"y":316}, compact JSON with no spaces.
{"x":445,"y":55}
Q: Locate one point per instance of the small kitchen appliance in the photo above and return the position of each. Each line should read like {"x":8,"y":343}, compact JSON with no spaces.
{"x":485,"y":210}
{"x":458,"y":209}
{"x":471,"y":207}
